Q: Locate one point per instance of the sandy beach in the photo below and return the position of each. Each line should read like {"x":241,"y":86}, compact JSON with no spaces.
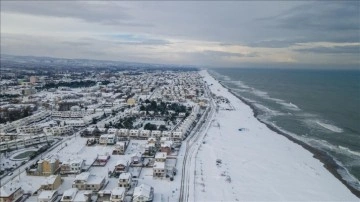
{"x":259,"y":162}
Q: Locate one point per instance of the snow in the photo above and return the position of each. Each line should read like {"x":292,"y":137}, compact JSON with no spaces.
{"x":257,"y":164}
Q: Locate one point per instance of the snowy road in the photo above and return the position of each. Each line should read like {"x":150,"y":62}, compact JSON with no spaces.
{"x":187,"y":188}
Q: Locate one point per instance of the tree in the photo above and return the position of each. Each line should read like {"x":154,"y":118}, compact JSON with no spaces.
{"x":150,"y":126}
{"x":162,"y":128}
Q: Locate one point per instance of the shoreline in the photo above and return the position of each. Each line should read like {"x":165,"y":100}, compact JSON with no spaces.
{"x":329,"y":163}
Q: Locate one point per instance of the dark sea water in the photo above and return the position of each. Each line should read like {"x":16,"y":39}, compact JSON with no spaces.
{"x":318,"y":107}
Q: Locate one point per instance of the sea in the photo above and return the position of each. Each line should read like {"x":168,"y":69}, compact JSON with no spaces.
{"x":318,"y":107}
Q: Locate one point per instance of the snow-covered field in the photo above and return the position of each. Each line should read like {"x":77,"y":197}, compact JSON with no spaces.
{"x":257,"y":164}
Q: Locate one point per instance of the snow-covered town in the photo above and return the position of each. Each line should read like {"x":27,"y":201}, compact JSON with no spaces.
{"x":98,"y":136}
{"x":145,"y":134}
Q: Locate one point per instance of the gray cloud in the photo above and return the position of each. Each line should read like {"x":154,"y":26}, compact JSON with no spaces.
{"x":211,"y":53}
{"x":331,"y":21}
{"x":107,"y":12}
{"x":350,"y":49}
{"x":75,"y":43}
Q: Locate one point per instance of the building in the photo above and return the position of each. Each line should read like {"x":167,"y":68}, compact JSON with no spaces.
{"x":121,"y":166}
{"x":134,"y":133}
{"x":48,"y":196}
{"x":143,"y":193}
{"x":131,"y":102}
{"x":123,"y":132}
{"x":125,"y":180}
{"x":120,"y":148}
{"x":74,"y":195}
{"x":166,"y":147}
{"x":160,"y":157}
{"x":159,"y":169}
{"x":48,"y":166}
{"x":11,"y":192}
{"x":72,"y":166}
{"x":33,"y":79}
{"x":87,"y":181}
{"x":107,"y":139}
{"x":117,"y":194}
{"x":52,"y":182}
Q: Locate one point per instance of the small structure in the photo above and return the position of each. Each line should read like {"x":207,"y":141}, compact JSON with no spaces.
{"x":159,"y":169}
{"x":48,"y":166}
{"x":120,"y":148}
{"x":143,"y":193}
{"x":156,"y":133}
{"x":134,"y":133}
{"x":74,"y":195}
{"x":144,"y":134}
{"x":117,"y":194}
{"x":107,"y":139}
{"x":125,"y":180}
{"x":123,"y":132}
{"x":72,"y":166}
{"x":160,"y":157}
{"x":86,"y":181}
{"x":166,"y":147}
{"x":51,"y":183}
{"x":102,"y":160}
{"x":11,"y":192}
{"x":48,"y":196}
{"x":121,"y":166}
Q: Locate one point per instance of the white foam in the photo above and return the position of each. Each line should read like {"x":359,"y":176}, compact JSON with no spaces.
{"x":349,"y":150}
{"x":289,"y":105}
{"x":330,"y":127}
{"x":267,"y":110}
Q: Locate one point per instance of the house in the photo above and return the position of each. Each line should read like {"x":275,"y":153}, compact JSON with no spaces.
{"x":123,"y":132}
{"x":160,"y":157}
{"x":143,"y":193}
{"x":87,"y":181}
{"x":120,"y":148}
{"x":151,"y":140}
{"x":113,"y":131}
{"x":177,"y":135}
{"x":11,"y":192}
{"x":131,"y":102}
{"x":117,"y":194}
{"x":156,"y":133}
{"x":164,"y":139}
{"x":72,"y":166}
{"x":145,"y":134}
{"x":107,"y":139}
{"x":134,"y":133}
{"x":48,"y":166}
{"x":166,"y":147}
{"x":52,"y":182}
{"x":136,"y":160}
{"x":102,"y":160}
{"x":48,"y":196}
{"x":166,"y":134}
{"x":121,"y":166}
{"x":159,"y":169}
{"x":149,"y":148}
{"x":74,"y":195}
{"x":125,"y":180}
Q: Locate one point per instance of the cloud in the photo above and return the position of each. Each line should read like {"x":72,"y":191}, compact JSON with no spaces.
{"x":75,"y":43}
{"x":104,"y":12}
{"x":331,"y":21}
{"x":211,"y":53}
{"x":130,"y":39}
{"x":348,"y":49}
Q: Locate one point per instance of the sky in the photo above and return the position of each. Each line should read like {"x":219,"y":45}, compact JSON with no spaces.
{"x":201,"y":33}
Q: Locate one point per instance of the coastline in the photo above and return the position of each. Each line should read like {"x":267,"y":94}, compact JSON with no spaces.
{"x":329,"y":163}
